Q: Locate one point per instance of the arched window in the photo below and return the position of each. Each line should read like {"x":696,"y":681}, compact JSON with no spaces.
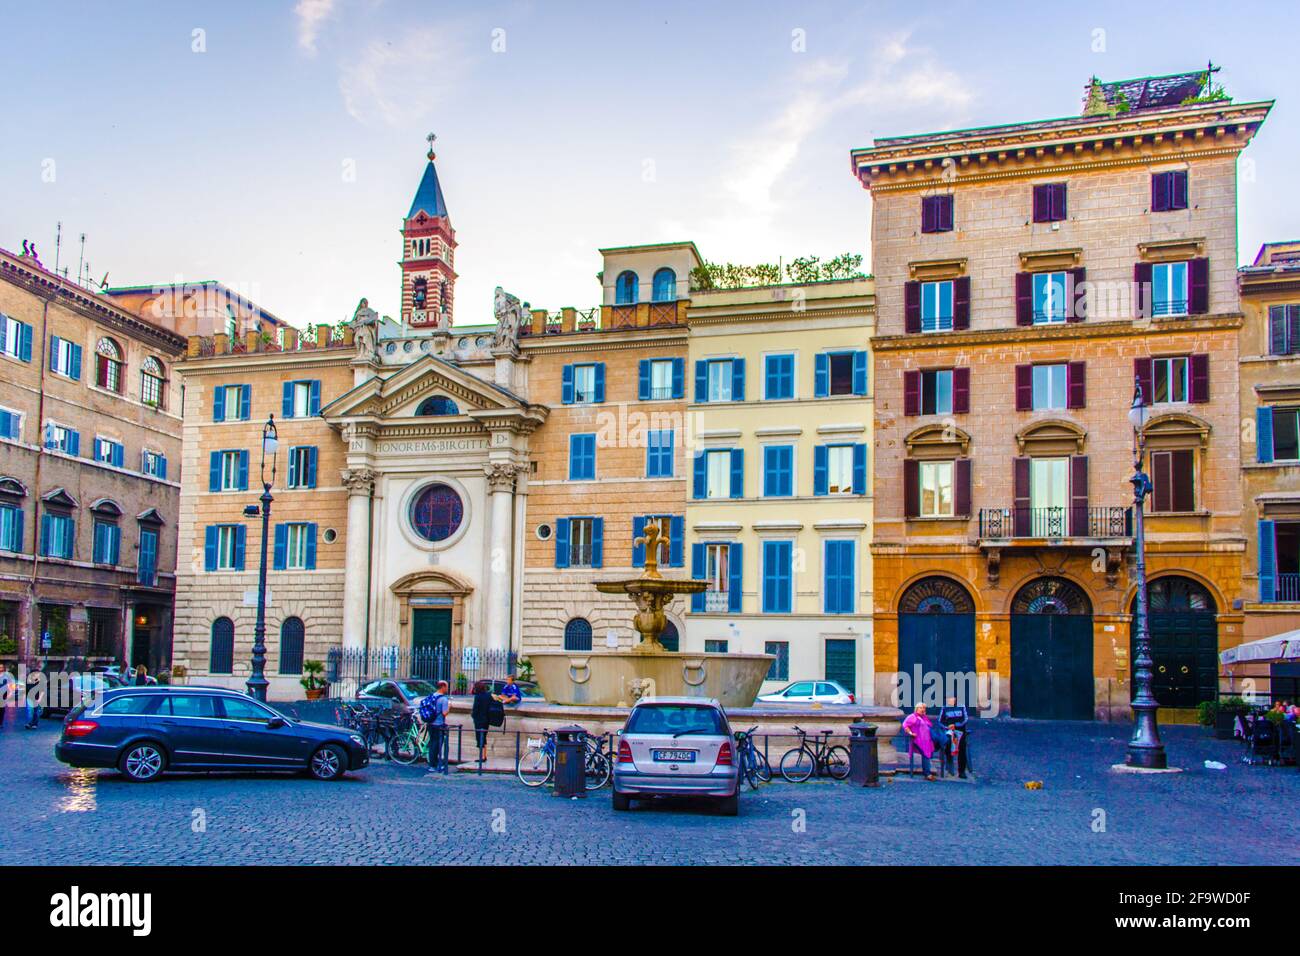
{"x":419,"y":292}
{"x":438,"y":405}
{"x":437,"y":512}
{"x":625,"y":289}
{"x":108,"y":365}
{"x":665,"y":287}
{"x":292,"y":633}
{"x":151,"y":382}
{"x":1051,"y":595}
{"x":936,"y":595}
{"x":221,"y":657}
{"x":577,"y":635}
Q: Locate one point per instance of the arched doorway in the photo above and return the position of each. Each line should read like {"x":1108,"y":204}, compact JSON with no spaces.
{"x":1184,"y":641}
{"x":936,"y":641}
{"x":1051,"y":651}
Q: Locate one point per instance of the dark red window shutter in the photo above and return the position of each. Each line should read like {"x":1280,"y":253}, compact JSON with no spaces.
{"x":961,"y":302}
{"x":912,"y":393}
{"x":1042,"y":203}
{"x":945,"y":213}
{"x":961,"y":488}
{"x":1198,"y":282}
{"x":960,"y":391}
{"x":1079,"y":495}
{"x":1076,"y":384}
{"x":1075,"y":310}
{"x":1058,"y":202}
{"x":1020,"y":486}
{"x":1024,"y":299}
{"x":1161,"y":481}
{"x":1200,"y":377}
{"x":1183,"y":466}
{"x":1177,"y":189}
{"x":1142,"y":288}
{"x":1024,"y":388}
{"x":929,"y":214}
{"x":911,"y":488}
{"x":1144,"y":372}
{"x":1159,"y":192}
{"x":912,"y":306}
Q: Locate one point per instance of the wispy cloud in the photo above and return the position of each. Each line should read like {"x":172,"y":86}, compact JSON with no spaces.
{"x":311,"y":15}
{"x":392,"y":81}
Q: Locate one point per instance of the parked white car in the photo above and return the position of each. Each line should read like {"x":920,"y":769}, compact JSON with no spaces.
{"x":810,"y":692}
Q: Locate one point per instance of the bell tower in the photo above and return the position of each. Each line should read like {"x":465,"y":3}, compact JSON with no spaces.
{"x":428,"y":254}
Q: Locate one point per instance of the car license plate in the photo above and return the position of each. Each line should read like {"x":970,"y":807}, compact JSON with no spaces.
{"x":674,"y":756}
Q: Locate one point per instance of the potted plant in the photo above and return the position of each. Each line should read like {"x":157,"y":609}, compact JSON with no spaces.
{"x":1221,"y":715}
{"x":525,"y":668}
{"x":312,"y":682}
{"x":462,"y":684}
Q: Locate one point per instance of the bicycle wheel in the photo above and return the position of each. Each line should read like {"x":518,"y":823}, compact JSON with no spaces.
{"x":534,"y":768}
{"x":596,"y":771}
{"x":404,"y":748}
{"x":798,"y":764}
{"x":762,"y":767}
{"x":749,"y":768}
{"x":837,"y":762}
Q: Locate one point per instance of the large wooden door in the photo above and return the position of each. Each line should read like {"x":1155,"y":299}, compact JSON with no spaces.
{"x":430,"y":628}
{"x":1051,"y":666}
{"x":936,"y":640}
{"x":1184,"y":642}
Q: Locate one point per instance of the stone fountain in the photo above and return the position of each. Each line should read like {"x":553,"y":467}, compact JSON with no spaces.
{"x":621,"y":678}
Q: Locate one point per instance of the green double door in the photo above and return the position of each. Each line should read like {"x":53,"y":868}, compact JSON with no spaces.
{"x":1051,"y":666}
{"x":842,"y":663}
{"x":430,"y":629}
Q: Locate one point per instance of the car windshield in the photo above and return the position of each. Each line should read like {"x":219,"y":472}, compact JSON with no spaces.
{"x":416,"y":688}
{"x":675,"y":719}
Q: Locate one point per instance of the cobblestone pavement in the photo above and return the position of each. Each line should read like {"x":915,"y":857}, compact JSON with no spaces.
{"x":390,"y":814}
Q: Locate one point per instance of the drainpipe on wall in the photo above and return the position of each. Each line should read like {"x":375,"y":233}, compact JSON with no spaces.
{"x":36,"y":482}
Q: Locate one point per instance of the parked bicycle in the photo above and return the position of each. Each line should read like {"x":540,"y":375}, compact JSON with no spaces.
{"x":801,"y":762}
{"x":409,"y":742}
{"x":754,"y":768}
{"x":536,"y":765}
{"x":376,"y":727}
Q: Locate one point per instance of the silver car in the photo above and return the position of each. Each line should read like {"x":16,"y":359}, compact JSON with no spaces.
{"x":677,"y":747}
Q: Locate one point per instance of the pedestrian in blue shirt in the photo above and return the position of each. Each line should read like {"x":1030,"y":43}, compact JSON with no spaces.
{"x":433,"y":711}
{"x":511,"y":694}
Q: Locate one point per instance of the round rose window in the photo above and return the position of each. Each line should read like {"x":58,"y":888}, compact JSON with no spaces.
{"x":436,"y":513}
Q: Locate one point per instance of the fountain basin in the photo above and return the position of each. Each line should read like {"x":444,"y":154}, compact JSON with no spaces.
{"x":621,"y":678}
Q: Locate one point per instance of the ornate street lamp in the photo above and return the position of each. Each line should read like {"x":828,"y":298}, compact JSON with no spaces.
{"x":257,"y":682}
{"x":1144,"y":748}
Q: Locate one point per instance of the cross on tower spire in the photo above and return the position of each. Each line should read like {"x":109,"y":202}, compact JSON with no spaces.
{"x":431,"y":137}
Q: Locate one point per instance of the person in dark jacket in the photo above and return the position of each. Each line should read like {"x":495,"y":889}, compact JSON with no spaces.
{"x":957,"y":722}
{"x":481,"y":713}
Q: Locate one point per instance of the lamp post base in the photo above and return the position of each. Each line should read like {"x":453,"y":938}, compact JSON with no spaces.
{"x":1145,"y":749}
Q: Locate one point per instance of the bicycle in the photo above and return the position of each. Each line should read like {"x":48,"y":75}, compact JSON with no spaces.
{"x":801,"y":762}
{"x":374,"y":727}
{"x":536,"y":766}
{"x":754,"y":767}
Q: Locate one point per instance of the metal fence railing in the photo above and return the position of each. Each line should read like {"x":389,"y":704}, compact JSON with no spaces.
{"x":346,"y":669}
{"x":1067,"y":522}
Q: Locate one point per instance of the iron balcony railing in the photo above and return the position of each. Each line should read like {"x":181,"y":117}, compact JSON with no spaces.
{"x":1287,"y":588}
{"x":1071,"y":522}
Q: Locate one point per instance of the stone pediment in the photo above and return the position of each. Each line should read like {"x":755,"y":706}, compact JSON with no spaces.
{"x":1051,"y":436}
{"x":400,"y":394}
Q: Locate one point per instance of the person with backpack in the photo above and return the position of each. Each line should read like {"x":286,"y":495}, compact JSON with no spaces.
{"x":433,"y":714}
{"x":487,"y":711}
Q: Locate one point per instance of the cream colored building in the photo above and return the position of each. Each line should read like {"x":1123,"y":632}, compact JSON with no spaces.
{"x":778,"y":502}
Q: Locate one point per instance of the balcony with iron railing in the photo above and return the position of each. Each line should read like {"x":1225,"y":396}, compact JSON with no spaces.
{"x":1287,"y":588}
{"x":1059,"y":523}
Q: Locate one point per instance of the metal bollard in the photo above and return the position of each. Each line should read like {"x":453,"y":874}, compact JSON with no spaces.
{"x":570,"y":762}
{"x":864,"y":755}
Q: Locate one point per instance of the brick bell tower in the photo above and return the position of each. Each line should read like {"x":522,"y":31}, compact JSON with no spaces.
{"x":428,"y":252}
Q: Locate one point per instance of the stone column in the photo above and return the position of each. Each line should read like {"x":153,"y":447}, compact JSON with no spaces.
{"x":500,"y":584}
{"x":359,"y":482}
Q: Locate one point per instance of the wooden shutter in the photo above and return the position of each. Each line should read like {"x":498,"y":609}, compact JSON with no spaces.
{"x":562,"y":543}
{"x":1076,"y":386}
{"x":643,"y":380}
{"x":737,"y":473}
{"x":1160,"y":192}
{"x":1264,"y":433}
{"x":1177,"y":189}
{"x":1021,"y":502}
{"x":280,"y":555}
{"x":1073,"y":313}
{"x":961,"y":302}
{"x":1199,"y":377}
{"x":821,"y":375}
{"x":701,"y":381}
{"x":1267,"y":561}
{"x":1059,"y":208}
{"x":1144,"y":374}
{"x":1198,"y":286}
{"x":912,"y":392}
{"x":1141,"y":288}
{"x":219,"y":403}
{"x":911,"y":488}
{"x":929,"y":214}
{"x":1079,"y":495}
{"x":821,"y":479}
{"x":961,"y":390}
{"x":738,"y":380}
{"x":697,"y":574}
{"x":961,"y":503}
{"x":598,"y":384}
{"x":1161,"y":480}
{"x":735,"y":575}
{"x":1042,"y":203}
{"x":1024,"y":298}
{"x":945,"y":214}
{"x":1024,"y":388}
{"x":1183,"y":463}
{"x":859,"y":468}
{"x":912,"y":306}
{"x":1277,"y":330}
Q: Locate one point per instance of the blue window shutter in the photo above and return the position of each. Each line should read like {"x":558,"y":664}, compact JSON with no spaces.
{"x":822,"y":376}
{"x":562,"y":543}
{"x":821,"y":463}
{"x":99,"y":543}
{"x":1264,"y":433}
{"x":697,"y":573}
{"x":638,"y":547}
{"x":1267,"y":562}
{"x":74,"y":443}
{"x":219,"y":403}
{"x":286,"y":401}
{"x":566,"y":386}
{"x":311,"y":546}
{"x":860,"y":373}
{"x":292,"y":480}
{"x":241,"y":537}
{"x":245,"y":402}
{"x":597,"y":542}
{"x":699,"y":484}
{"x":701,"y":381}
{"x":737,"y":472}
{"x":643,"y":380}
{"x":118,"y":453}
{"x":311,"y":467}
{"x":599,"y":376}
{"x":24,"y":342}
{"x":735,"y":575}
{"x":831,"y":577}
{"x":54,"y":353}
{"x":313,"y":405}
{"x":214,"y":471}
{"x":69,"y":538}
{"x":738,"y":380}
{"x":76,"y":361}
{"x":280,"y":558}
{"x":45,"y":535}
{"x":574,"y":442}
{"x":18,"y":529}
{"x":651,"y":454}
{"x":243,"y":470}
{"x":210,"y":548}
{"x":767,"y":591}
{"x":679,"y":378}
{"x":162,"y":466}
{"x":676,"y":539}
{"x":860,"y":469}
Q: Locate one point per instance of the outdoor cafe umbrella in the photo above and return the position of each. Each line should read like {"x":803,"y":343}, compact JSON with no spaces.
{"x":1279,"y":647}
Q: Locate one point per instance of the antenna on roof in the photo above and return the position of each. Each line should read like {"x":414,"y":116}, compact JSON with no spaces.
{"x":58,"y":242}
{"x":81,"y":258}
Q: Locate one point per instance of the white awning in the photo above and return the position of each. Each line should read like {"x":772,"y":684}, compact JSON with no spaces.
{"x":1279,"y":647}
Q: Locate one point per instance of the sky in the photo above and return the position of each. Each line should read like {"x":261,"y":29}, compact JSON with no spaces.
{"x":275,"y":146}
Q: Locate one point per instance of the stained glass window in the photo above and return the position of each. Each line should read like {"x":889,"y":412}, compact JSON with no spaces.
{"x":436,"y":513}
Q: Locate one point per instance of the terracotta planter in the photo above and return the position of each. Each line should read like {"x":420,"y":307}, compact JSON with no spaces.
{"x":316,"y":693}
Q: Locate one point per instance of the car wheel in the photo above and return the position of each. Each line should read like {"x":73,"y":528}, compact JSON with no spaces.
{"x":142,"y":761}
{"x":729,"y":806}
{"x":328,"y":763}
{"x":622,"y":801}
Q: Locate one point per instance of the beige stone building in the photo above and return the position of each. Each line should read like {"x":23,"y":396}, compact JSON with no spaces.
{"x":90,"y":423}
